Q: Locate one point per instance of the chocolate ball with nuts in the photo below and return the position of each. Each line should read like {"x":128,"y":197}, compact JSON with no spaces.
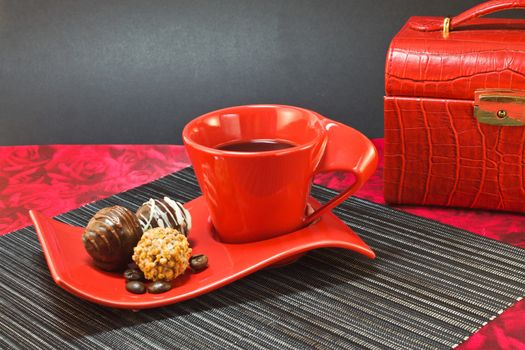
{"x":162,"y":254}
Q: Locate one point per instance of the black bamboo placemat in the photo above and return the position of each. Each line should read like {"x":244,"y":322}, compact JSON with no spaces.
{"x":430,"y":287}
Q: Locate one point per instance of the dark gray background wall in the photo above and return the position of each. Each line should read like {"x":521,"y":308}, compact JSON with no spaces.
{"x":137,"y":71}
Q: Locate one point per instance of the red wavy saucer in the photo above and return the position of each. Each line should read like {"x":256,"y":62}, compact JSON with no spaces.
{"x":72,"y":269}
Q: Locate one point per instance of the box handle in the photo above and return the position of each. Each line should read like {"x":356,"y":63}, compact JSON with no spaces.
{"x":486,"y":8}
{"x":500,"y":107}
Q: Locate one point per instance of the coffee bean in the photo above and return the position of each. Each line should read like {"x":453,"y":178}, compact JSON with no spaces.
{"x":136,"y":287}
{"x":159,"y":287}
{"x":199,"y":262}
{"x":133,"y":275}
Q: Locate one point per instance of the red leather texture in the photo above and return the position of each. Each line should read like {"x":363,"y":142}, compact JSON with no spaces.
{"x":436,"y":151}
{"x":489,"y":53}
{"x":483,"y":9}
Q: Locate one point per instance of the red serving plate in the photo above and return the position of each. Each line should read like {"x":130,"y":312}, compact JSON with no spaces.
{"x":72,"y":268}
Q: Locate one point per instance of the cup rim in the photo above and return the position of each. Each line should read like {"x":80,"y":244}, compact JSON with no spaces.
{"x":189,"y":142}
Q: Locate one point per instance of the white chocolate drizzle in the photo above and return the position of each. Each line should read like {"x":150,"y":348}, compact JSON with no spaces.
{"x":161,"y":214}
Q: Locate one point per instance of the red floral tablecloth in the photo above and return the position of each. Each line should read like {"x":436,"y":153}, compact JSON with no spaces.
{"x":58,"y":178}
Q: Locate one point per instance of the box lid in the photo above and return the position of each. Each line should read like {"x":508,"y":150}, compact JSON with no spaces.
{"x":485,"y":53}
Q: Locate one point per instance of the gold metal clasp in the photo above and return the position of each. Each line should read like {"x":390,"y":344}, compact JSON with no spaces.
{"x":446,"y":26}
{"x":500,"y":107}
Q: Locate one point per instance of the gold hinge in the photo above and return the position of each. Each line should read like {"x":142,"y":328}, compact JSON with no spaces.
{"x":500,"y":107}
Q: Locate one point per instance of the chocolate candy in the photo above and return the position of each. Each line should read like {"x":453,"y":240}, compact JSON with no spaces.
{"x":159,"y":287}
{"x":198,"y":262}
{"x":136,"y":287}
{"x":110,"y":237}
{"x":165,"y":213}
{"x":162,"y":254}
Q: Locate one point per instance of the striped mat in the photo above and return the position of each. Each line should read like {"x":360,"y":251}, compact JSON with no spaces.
{"x":430,"y":287}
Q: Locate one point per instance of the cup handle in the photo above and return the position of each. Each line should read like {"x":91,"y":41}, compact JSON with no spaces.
{"x":346,"y":150}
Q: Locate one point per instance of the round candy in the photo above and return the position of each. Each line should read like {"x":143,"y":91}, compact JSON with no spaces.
{"x":164,"y":213}
{"x":110,"y":237}
{"x":162,"y":254}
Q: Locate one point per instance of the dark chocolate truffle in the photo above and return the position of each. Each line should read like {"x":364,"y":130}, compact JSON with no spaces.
{"x":110,"y":237}
{"x":165,"y":213}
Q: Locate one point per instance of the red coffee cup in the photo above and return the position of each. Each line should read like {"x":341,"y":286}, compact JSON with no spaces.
{"x":258,"y":195}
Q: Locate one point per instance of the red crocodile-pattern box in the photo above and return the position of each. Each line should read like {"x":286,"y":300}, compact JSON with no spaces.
{"x":436,"y":151}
